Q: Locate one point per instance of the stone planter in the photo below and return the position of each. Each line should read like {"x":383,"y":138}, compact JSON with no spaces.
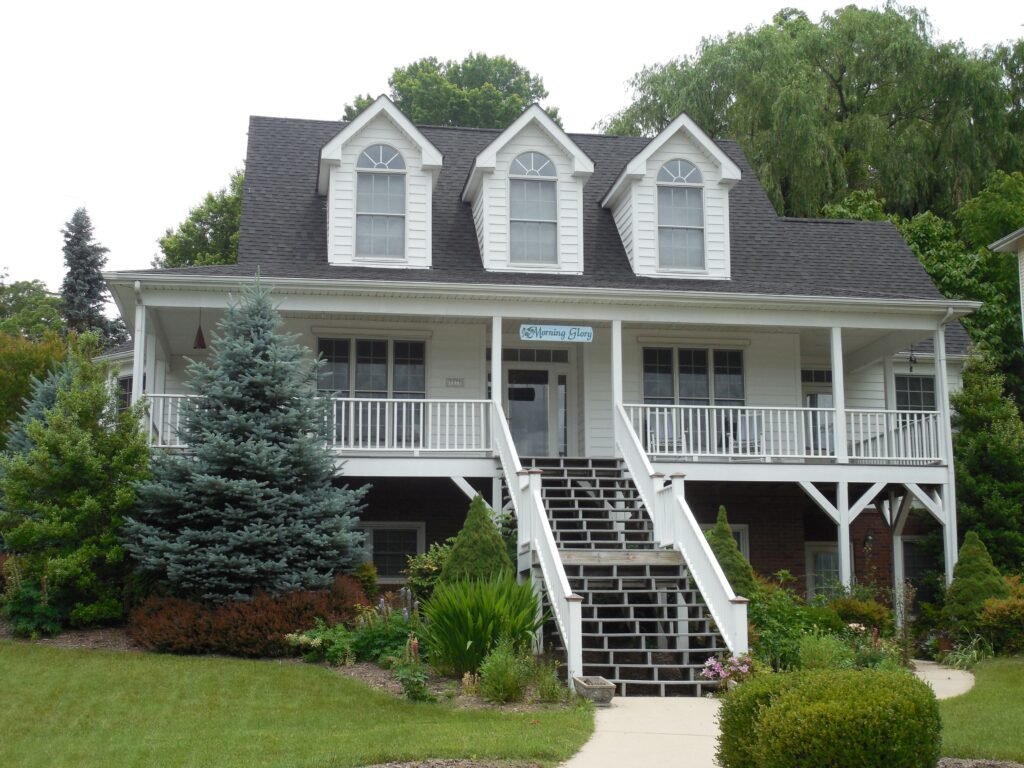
{"x":595,"y":689}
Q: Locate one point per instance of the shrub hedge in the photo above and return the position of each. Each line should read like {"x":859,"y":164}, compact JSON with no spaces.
{"x":1002,"y":619}
{"x":830,"y":719}
{"x":253,"y":629}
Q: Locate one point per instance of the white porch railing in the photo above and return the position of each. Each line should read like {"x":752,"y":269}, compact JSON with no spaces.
{"x":367,"y":425}
{"x":675,"y":526}
{"x":894,"y":436}
{"x":362,"y":424}
{"x":165,"y":420}
{"x":749,"y":432}
{"x":535,"y":537}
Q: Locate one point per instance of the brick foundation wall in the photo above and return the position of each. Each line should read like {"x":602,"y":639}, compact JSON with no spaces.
{"x":435,"y":501}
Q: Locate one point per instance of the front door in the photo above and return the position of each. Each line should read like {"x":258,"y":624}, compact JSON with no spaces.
{"x":820,"y":436}
{"x":536,"y":401}
{"x":528,"y":411}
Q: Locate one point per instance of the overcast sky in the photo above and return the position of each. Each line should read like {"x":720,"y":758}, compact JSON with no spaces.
{"x":136,"y":110}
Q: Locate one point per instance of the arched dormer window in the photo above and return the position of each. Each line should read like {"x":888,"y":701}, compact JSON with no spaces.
{"x":533,"y":213}
{"x":680,"y":216}
{"x":380,"y":203}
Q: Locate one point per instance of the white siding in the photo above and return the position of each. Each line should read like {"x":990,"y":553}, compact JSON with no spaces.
{"x":645,"y":215}
{"x":622,"y":212}
{"x":771,"y":369}
{"x":597,"y":397}
{"x":341,"y":199}
{"x":491,"y":207}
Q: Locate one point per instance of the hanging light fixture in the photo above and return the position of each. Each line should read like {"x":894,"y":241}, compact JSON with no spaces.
{"x":200,"y":340}
{"x":913,"y":358}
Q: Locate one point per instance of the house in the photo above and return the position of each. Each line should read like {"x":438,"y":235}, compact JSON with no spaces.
{"x":611,"y":336}
{"x":1013,"y":243}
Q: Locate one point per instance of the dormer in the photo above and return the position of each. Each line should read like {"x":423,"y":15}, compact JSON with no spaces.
{"x":526,"y":190}
{"x":671,"y":205}
{"x":378,"y":174}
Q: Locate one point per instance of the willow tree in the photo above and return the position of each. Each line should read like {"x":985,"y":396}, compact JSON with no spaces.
{"x":863,"y":99}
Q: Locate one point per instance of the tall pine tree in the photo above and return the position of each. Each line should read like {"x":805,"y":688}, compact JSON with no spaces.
{"x":83,"y":292}
{"x":252,"y":505}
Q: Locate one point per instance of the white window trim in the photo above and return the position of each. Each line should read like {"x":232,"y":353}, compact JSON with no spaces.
{"x":404,"y":172}
{"x":813,"y":547}
{"x":711,"y":368}
{"x":659,"y":269}
{"x":394,"y":525}
{"x":742,"y":529}
{"x":390,"y":338}
{"x":530,"y":266}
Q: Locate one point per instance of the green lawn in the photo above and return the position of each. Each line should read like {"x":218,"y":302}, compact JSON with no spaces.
{"x":987,"y":721}
{"x":96,"y":708}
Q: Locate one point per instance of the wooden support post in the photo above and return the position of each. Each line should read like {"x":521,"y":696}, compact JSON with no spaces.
{"x":843,"y":510}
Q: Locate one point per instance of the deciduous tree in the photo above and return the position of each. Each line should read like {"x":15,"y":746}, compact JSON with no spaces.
{"x":209,"y":235}
{"x":479,"y":92}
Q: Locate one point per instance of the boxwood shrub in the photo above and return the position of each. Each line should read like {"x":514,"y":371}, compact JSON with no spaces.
{"x":831,"y":719}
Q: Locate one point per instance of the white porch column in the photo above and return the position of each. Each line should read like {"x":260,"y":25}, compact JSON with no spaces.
{"x":839,"y":398}
{"x":139,"y":339}
{"x":616,"y":362}
{"x":843,"y":509}
{"x":149,"y":380}
{"x":496,"y":385}
{"x":899,"y":521}
{"x":950,"y":536}
{"x":889,"y":384}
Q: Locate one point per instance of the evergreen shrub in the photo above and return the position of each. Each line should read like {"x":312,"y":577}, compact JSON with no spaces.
{"x":466,"y":619}
{"x":869,"y":614}
{"x":252,"y":505}
{"x":478,"y":551}
{"x":851,"y":719}
{"x":975,"y":580}
{"x":736,"y":567}
{"x":830,"y":719}
{"x":779,"y":619}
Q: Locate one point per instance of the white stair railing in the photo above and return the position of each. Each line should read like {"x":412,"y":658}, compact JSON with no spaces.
{"x":535,"y":537}
{"x":676,"y":527}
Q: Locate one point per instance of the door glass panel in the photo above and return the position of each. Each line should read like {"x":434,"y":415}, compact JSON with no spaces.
{"x":528,"y":411}
{"x":563,"y":417}
{"x":820,"y":437}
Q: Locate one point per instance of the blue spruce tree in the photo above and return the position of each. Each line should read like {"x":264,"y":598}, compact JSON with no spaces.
{"x":251,"y":506}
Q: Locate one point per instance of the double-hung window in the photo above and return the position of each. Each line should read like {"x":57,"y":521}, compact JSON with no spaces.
{"x":915,"y":393}
{"x":376,"y":370}
{"x":533,"y":210}
{"x":697,"y":377}
{"x":380,"y":203}
{"x":680,"y":216}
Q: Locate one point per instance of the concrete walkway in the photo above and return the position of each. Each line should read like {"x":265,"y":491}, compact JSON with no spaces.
{"x":682,"y":732}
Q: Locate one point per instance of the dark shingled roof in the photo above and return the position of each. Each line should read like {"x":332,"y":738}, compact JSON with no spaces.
{"x":284,"y":227}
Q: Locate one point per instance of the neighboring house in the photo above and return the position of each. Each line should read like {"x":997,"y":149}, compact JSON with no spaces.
{"x":571,"y":325}
{"x":1014,"y":243}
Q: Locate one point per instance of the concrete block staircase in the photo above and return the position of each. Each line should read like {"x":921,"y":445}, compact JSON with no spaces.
{"x":645,"y":625}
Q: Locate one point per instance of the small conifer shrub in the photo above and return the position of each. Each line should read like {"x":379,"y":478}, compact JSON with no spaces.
{"x":735,"y":566}
{"x":975,"y":580}
{"x":478,"y":551}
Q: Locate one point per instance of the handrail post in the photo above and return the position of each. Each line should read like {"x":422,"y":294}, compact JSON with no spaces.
{"x":574,"y":649}
{"x":678,"y":480}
